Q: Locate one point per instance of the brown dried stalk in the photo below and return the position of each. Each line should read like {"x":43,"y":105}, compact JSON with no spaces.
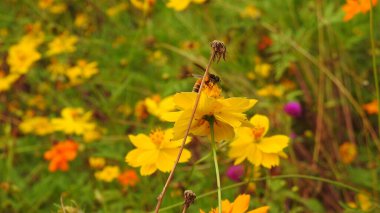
{"x":218,"y":51}
{"x":189,"y":199}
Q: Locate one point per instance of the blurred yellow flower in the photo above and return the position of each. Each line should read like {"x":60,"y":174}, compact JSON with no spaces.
{"x":364,"y":201}
{"x":108,"y":174}
{"x":125,"y":109}
{"x":271,"y":90}
{"x":347,"y":152}
{"x":227,"y":112}
{"x":115,"y":10}
{"x":81,"y":20}
{"x":58,"y":8}
{"x":83,"y":70}
{"x":240,"y":205}
{"x":180,"y":5}
{"x":144,"y":5}
{"x":97,"y":162}
{"x":64,"y":43}
{"x":252,"y":145}
{"x":6,"y":81}
{"x":159,"y":107}
{"x":156,"y":151}
{"x":57,"y":69}
{"x":37,"y":101}
{"x":36,"y":125}
{"x":43,"y":4}
{"x":92,"y":135}
{"x":263,"y":69}
{"x":74,"y":121}
{"x":141,"y":111}
{"x":250,"y":11}
{"x":21,"y":56}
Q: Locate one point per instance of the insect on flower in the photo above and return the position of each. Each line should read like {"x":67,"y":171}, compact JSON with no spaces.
{"x":210,"y":81}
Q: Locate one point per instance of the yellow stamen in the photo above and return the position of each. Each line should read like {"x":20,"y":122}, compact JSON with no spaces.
{"x":157,"y":136}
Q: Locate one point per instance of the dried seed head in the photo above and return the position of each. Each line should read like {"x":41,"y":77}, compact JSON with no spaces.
{"x":189,"y":197}
{"x":219,"y":49}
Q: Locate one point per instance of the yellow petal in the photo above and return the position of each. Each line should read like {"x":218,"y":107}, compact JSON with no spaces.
{"x":244,"y":137}
{"x":260,"y":121}
{"x":237,"y":104}
{"x":270,"y":160}
{"x":148,"y":157}
{"x":186,"y":154}
{"x":199,"y":1}
{"x":223,"y":131}
{"x":178,"y":5}
{"x":165,"y":162}
{"x":171,"y":116}
{"x":181,"y":125}
{"x":241,"y":203}
{"x":202,"y":128}
{"x":254,"y":155}
{"x":263,"y":209}
{"x":148,"y":169}
{"x":185,"y":100}
{"x":234,"y":119}
{"x":273,"y":144}
{"x":141,"y":141}
{"x":132,"y":157}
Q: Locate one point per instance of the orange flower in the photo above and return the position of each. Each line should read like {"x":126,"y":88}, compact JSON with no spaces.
{"x":347,"y":152}
{"x":371,"y":107}
{"x":128,"y":178}
{"x":60,"y":154}
{"x":353,"y":7}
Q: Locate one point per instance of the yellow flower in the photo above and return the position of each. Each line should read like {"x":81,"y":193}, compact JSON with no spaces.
{"x":82,"y":70}
{"x":143,"y":5}
{"x":58,"y":8}
{"x":271,"y":90}
{"x":180,"y":5}
{"x":263,"y":69}
{"x":160,"y":107}
{"x":240,"y":205}
{"x":108,"y":174}
{"x":43,"y":4}
{"x":96,"y":162}
{"x":156,"y":151}
{"x":115,"y":10}
{"x":22,"y":56}
{"x":36,"y":125}
{"x":7,"y":81}
{"x":347,"y":152}
{"x":57,"y":69}
{"x":252,"y":145}
{"x":250,"y":11}
{"x":81,"y":20}
{"x":227,"y":112}
{"x":364,"y":201}
{"x":64,"y":43}
{"x":92,"y":135}
{"x":74,"y":121}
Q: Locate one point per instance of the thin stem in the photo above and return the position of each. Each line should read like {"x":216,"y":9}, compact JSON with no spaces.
{"x":279,"y":177}
{"x":213,"y":144}
{"x":161,"y":196}
{"x":374,"y":63}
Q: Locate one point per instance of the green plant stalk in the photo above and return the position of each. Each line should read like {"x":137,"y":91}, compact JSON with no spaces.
{"x":213,"y":144}
{"x":374,"y":63}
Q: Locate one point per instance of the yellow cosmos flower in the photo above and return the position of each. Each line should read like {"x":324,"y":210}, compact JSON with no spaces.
{"x":156,"y":151}
{"x":252,"y":145}
{"x":97,"y":162}
{"x":22,"y":56}
{"x":36,"y":125}
{"x":180,"y":5}
{"x":74,"y":121}
{"x":240,"y":205}
{"x":82,"y":70}
{"x":227,"y":112}
{"x":158,"y":107}
{"x":64,"y":43}
{"x":271,"y":90}
{"x":250,"y":11}
{"x":81,"y":20}
{"x":6,"y":81}
{"x":143,"y":5}
{"x":108,"y":174}
{"x":115,"y":10}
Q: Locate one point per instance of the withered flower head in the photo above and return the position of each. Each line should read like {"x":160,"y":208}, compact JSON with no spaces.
{"x":219,"y":50}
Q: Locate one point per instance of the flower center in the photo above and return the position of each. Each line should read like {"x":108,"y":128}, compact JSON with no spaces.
{"x":157,"y":136}
{"x":212,"y":90}
{"x":258,"y":132}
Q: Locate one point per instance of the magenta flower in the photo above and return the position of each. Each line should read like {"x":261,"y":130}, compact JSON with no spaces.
{"x":293,"y":109}
{"x":235,"y":173}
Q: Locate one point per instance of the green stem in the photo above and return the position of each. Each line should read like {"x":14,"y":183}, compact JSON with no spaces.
{"x":213,"y":144}
{"x":374,"y":63}
{"x":279,"y":177}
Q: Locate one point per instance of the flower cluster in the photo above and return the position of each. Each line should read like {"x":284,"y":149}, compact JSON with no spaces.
{"x":240,"y":205}
{"x":60,"y":154}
